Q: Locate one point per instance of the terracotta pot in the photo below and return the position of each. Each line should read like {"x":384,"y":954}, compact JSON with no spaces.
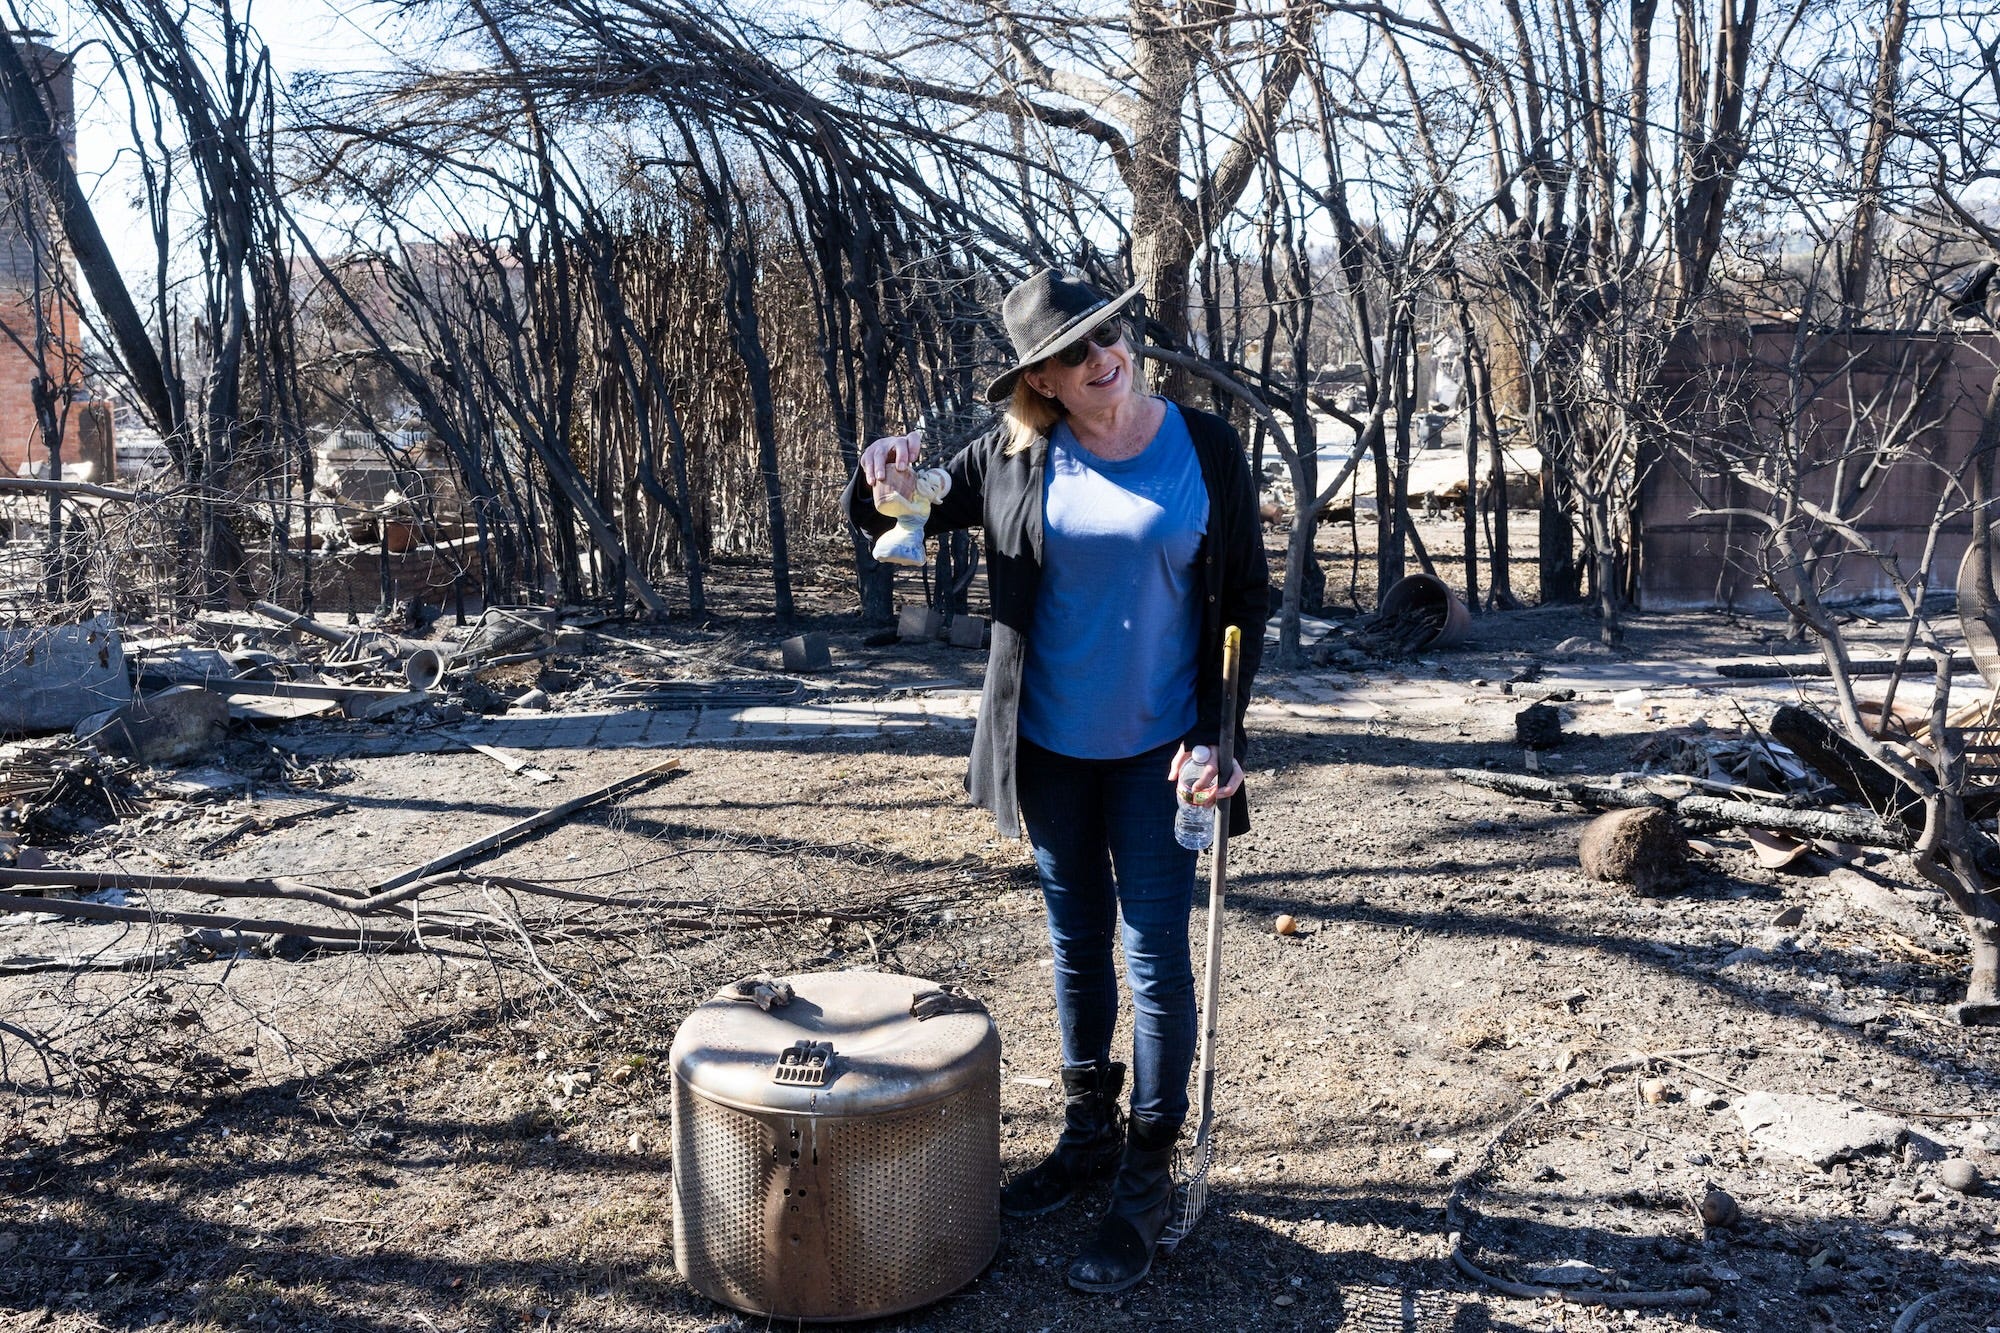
{"x":1421,"y":592}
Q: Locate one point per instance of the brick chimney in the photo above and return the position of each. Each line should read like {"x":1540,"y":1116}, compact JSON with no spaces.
{"x":31,"y":254}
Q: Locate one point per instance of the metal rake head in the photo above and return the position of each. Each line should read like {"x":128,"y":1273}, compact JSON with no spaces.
{"x":1190,"y":1192}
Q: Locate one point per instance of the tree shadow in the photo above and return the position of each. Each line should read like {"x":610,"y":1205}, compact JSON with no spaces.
{"x":1699,"y":967}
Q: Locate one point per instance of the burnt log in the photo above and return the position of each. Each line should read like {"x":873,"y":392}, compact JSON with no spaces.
{"x":1915,"y":666}
{"x":1699,"y":812}
{"x":1863,"y":830}
{"x":1848,"y":767}
{"x":1582,"y":792}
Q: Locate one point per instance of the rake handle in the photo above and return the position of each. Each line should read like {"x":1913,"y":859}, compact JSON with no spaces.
{"x":1218,"y":872}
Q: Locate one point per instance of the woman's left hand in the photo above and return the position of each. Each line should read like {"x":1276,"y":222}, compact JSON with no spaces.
{"x":1204,"y":791}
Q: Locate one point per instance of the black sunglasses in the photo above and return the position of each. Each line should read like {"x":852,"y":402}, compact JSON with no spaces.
{"x":1107,"y":334}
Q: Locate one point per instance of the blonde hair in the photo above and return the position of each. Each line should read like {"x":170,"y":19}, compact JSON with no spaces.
{"x":1029,"y":416}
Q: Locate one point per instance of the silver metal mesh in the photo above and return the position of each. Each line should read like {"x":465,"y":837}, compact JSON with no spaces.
{"x":914,"y":1210}
{"x":905,"y":1205}
{"x":1190,"y":1192}
{"x":724,"y":1166}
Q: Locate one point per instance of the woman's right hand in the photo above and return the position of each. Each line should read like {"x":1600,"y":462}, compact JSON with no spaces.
{"x":898,"y":452}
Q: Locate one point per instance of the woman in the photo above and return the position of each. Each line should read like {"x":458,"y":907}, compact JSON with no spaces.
{"x":1122,"y":538}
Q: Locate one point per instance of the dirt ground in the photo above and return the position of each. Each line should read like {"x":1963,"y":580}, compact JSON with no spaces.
{"x":451,"y":1142}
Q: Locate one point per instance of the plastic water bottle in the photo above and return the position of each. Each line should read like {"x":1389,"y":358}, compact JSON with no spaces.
{"x":1194,"y":825}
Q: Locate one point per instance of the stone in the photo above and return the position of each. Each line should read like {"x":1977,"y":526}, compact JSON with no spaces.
{"x":1921,"y":1148}
{"x":1702,"y":1099}
{"x":172,"y":726}
{"x":1642,"y":848}
{"x":54,"y":676}
{"x":1960,"y":1176}
{"x":1817,"y":1130}
{"x":1791,"y":916}
{"x":1578,"y":646}
{"x":807,"y":652}
{"x":1885,"y":903}
{"x":967,"y":632}
{"x":1539,"y":726}
{"x":919,"y":622}
{"x":1975,"y":1013}
{"x":1718,"y":1209}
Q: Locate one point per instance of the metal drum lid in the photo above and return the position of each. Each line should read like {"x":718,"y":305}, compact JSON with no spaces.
{"x":847,"y":1044}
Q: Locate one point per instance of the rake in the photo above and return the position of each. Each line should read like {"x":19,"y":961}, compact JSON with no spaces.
{"x":1192,"y":1169}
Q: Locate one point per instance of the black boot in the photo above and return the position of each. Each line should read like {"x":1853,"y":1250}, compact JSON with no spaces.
{"x":1142,"y":1202}
{"x":1093,"y":1134}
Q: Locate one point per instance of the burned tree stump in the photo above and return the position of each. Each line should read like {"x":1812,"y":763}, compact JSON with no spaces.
{"x":1642,"y":848}
{"x":1539,"y":726}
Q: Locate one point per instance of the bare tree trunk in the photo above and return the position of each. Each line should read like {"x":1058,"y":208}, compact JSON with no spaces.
{"x":1862,"y":239}
{"x":43,"y":148}
{"x":42,"y":394}
{"x":1949,"y":857}
{"x":1560,"y":575}
{"x":1985,"y":452}
{"x":1604,"y":543}
{"x":1502,"y":566}
{"x":743,"y":321}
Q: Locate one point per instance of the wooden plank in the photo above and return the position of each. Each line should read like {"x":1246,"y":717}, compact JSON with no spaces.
{"x":625,"y":786}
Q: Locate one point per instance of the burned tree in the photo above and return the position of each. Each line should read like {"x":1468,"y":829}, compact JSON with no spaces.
{"x":1850,"y":455}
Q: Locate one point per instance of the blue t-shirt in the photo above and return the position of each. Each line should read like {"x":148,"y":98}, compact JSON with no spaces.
{"x":1111,"y":658}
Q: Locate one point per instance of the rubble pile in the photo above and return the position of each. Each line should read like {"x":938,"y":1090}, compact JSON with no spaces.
{"x":1401,"y":634}
{"x":161,"y":745}
{"x":54,"y":790}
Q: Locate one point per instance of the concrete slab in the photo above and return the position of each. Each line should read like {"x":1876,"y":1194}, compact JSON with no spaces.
{"x":623,"y":729}
{"x":52,"y":677}
{"x":714,"y":724}
{"x":1819,"y":1131}
{"x":919,"y":622}
{"x":668,"y":728}
{"x":807,"y":652}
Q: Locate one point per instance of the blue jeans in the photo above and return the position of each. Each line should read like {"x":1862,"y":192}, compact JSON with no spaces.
{"x":1103,"y":832}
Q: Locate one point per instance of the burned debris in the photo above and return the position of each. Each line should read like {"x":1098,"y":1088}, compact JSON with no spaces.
{"x":190,"y":762}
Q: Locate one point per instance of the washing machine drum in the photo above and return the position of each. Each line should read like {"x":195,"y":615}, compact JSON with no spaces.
{"x":837,"y":1153}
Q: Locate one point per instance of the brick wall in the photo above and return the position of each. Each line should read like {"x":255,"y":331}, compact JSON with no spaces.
{"x":25,"y":261}
{"x":21,"y":448}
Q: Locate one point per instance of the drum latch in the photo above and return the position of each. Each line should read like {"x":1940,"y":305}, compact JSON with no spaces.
{"x":804,"y":1064}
